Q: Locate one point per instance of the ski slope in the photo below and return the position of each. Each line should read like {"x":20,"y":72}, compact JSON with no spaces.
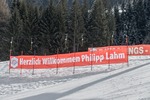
{"x":114,"y":82}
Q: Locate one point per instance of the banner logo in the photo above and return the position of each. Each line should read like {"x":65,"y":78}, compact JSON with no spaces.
{"x":14,"y":62}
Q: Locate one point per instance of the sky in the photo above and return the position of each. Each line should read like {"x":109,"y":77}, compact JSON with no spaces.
{"x":103,"y":82}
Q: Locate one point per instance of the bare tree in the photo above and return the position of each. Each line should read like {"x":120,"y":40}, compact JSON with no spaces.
{"x":4,"y":10}
{"x":4,"y":18}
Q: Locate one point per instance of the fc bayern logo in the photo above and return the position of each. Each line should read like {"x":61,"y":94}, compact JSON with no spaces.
{"x":14,"y":62}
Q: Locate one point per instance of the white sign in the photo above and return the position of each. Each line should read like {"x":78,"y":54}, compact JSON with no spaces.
{"x":14,"y":62}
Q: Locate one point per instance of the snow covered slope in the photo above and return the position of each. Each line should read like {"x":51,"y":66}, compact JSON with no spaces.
{"x":120,"y":82}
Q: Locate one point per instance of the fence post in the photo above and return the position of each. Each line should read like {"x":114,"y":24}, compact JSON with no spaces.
{"x":10,"y":60}
{"x":10,"y":53}
{"x":109,"y":58}
{"x":57,"y":61}
{"x":33,"y":64}
{"x":74,"y":64}
{"x":21,"y":65}
{"x":127,"y":50}
{"x":92,"y":58}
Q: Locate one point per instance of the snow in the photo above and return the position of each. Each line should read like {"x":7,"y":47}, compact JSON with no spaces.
{"x":103,"y":82}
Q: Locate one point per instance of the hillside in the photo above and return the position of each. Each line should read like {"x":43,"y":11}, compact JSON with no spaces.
{"x":45,"y":2}
{"x":118,"y":83}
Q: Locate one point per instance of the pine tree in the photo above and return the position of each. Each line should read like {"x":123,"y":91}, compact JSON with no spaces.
{"x":84,"y":37}
{"x":124,"y":26}
{"x":125,"y":23}
{"x":49,"y":28}
{"x":76,"y":26}
{"x":26,"y":31}
{"x":109,"y":23}
{"x":111,"y":26}
{"x":118,"y":22}
{"x":140,"y":22}
{"x":131,"y":23}
{"x":62,"y":36}
{"x":31,"y":36}
{"x":147,"y":12}
{"x":15,"y":29}
{"x":98,"y":25}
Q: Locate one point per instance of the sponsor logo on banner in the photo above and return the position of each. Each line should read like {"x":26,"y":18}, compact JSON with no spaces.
{"x":139,"y":50}
{"x":14,"y":62}
{"x":92,"y":49}
{"x":136,"y":50}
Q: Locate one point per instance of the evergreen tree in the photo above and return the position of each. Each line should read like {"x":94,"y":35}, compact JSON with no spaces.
{"x":123,"y":25}
{"x":15,"y":28}
{"x":62,"y":36}
{"x":147,"y":12}
{"x":76,"y":26}
{"x":84,"y":37}
{"x":111,"y":26}
{"x":118,"y":26}
{"x":23,"y":26}
{"x":131,"y":23}
{"x":31,"y":19}
{"x":140,"y":22}
{"x":25,"y":34}
{"x":98,"y":25}
{"x":49,"y":30}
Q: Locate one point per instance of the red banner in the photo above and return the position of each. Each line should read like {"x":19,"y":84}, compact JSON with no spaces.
{"x":109,"y":55}
{"x":133,"y":50}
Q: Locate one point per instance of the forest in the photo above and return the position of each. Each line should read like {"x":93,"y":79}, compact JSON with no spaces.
{"x":29,"y":29}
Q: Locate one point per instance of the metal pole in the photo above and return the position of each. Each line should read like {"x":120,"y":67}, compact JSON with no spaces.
{"x":74,"y":65}
{"x":31,"y":44}
{"x":74,"y":39}
{"x":21,"y":65}
{"x":57,"y":62}
{"x":112,"y":41}
{"x":109,"y":46}
{"x":127,"y":50}
{"x":66,"y":39}
{"x":74,"y":49}
{"x":11,"y":42}
{"x":33,"y":64}
{"x":10,"y":61}
{"x":109,"y":58}
{"x":92,"y":58}
{"x":82,"y":39}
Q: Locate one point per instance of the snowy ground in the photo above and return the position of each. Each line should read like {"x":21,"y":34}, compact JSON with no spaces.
{"x":104,"y":82}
